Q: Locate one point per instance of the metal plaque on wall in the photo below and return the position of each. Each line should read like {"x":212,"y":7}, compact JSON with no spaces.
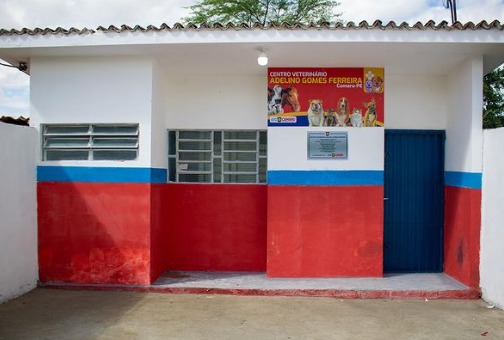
{"x":327,"y":145}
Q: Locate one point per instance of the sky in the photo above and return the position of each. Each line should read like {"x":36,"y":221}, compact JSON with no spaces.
{"x":14,"y":85}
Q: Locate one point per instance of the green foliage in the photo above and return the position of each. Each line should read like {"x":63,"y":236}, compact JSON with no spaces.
{"x":493,"y":99}
{"x":263,"y":11}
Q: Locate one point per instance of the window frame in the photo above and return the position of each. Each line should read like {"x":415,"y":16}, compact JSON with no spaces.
{"x":223,"y":147}
{"x":94,"y":141}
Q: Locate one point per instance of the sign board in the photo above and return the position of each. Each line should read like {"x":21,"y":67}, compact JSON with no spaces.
{"x":326,"y":97}
{"x":327,"y":145}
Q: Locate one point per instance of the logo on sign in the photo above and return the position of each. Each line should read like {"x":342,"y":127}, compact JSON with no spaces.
{"x":283,"y":120}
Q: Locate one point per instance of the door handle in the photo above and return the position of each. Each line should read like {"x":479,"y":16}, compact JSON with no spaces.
{"x":385,"y":198}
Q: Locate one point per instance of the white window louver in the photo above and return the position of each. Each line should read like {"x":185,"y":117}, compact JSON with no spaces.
{"x":90,"y":142}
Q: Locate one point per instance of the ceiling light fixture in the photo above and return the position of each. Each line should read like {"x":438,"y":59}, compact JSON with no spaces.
{"x":262,"y":59}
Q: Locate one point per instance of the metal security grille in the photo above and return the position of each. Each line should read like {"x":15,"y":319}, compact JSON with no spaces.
{"x":90,"y":142}
{"x":237,"y":156}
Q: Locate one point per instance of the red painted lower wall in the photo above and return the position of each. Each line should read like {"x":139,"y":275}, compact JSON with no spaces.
{"x":215,"y":227}
{"x":94,"y":232}
{"x":159,"y":231}
{"x":325,"y":231}
{"x":132,"y":233}
{"x":462,"y":234}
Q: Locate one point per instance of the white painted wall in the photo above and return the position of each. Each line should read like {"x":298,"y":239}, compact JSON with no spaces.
{"x":159,"y":137}
{"x":216,"y":102}
{"x":132,"y":89}
{"x":288,"y":149}
{"x":139,"y":90}
{"x":237,"y":102}
{"x":94,"y":90}
{"x":416,"y":102}
{"x":18,"y":208}
{"x":492,"y":228}
{"x":464,"y":133}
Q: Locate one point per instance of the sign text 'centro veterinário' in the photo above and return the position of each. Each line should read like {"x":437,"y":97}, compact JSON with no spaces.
{"x":345,"y":97}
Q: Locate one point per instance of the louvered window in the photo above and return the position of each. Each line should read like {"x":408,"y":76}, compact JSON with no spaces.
{"x":93,"y":142}
{"x":237,"y":156}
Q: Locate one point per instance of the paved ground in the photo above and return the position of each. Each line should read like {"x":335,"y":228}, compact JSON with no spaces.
{"x":62,"y":314}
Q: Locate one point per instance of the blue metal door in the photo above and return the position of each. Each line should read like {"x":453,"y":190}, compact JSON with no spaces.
{"x":414,"y":201}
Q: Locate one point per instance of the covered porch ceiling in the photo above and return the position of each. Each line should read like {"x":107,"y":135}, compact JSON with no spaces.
{"x":396,"y":58}
{"x":241,"y":58}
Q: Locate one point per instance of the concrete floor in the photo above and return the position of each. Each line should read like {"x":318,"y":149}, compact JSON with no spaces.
{"x":233,"y":280}
{"x":431,"y":286}
{"x":65,"y":314}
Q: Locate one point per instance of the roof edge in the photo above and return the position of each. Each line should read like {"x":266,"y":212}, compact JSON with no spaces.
{"x":363,"y":25}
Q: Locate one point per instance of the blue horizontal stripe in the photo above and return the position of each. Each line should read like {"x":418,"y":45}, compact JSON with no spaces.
{"x":470,"y":180}
{"x":100,"y":174}
{"x":327,"y":177}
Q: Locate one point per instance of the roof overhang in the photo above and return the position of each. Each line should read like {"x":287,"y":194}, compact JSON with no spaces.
{"x":420,"y":49}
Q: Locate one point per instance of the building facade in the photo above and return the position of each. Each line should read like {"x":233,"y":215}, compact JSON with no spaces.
{"x":159,"y":150}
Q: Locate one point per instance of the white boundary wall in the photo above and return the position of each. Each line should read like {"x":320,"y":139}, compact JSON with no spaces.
{"x":492,"y":226}
{"x":18,"y":211}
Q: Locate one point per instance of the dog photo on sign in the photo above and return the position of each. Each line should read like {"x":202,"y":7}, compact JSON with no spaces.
{"x":315,"y":113}
{"x":370,"y":115}
{"x":343,"y":112}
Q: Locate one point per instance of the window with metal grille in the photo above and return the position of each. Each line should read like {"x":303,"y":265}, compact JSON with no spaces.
{"x":234,"y":156}
{"x":90,"y":142}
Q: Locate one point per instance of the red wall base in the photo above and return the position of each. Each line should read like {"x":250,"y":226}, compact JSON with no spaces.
{"x":159,"y":231}
{"x":94,"y":233}
{"x":325,"y":231}
{"x":462,"y":234}
{"x":219,"y":227}
{"x":132,"y":233}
